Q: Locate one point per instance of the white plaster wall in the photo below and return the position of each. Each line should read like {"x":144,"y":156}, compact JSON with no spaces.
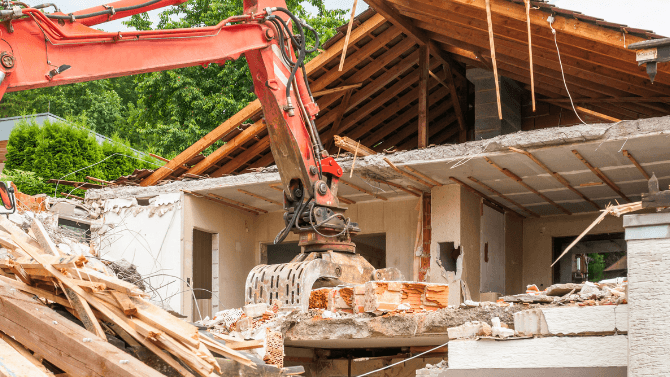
{"x":549,"y":352}
{"x":397,"y":218}
{"x":150,"y":238}
{"x":648,"y":307}
{"x":538,"y":246}
{"x":445,"y":222}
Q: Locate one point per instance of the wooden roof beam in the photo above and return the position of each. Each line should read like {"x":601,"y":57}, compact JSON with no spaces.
{"x":637,"y":164}
{"x":609,"y":100}
{"x":501,"y":195}
{"x":476,"y":192}
{"x":585,"y":111}
{"x":408,"y":175}
{"x":520,"y":181}
{"x":434,"y":130}
{"x":600,"y":175}
{"x":336,"y":89}
{"x":243,"y":158}
{"x":556,"y":175}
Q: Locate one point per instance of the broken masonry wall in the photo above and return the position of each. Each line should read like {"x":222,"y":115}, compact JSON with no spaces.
{"x":148,"y":236}
{"x":232,"y":258}
{"x":397,"y":218}
{"x":538,"y":234}
{"x":456,"y":217}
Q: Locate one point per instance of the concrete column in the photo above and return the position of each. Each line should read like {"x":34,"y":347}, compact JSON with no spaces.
{"x":648,"y":238}
{"x":487,"y":122}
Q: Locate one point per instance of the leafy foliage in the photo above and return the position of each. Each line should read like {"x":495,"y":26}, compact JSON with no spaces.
{"x":64,"y":151}
{"x":596,"y":266}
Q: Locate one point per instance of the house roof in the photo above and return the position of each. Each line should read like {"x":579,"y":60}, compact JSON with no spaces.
{"x":382,"y":62}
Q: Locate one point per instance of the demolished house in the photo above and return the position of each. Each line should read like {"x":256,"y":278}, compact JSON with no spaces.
{"x":508,"y":172}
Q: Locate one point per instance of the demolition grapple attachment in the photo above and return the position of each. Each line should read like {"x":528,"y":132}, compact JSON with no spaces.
{"x":289,"y":285}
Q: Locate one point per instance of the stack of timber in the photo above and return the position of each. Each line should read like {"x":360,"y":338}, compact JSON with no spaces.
{"x":66,"y":314}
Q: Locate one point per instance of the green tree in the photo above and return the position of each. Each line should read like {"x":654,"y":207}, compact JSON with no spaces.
{"x":596,"y":266}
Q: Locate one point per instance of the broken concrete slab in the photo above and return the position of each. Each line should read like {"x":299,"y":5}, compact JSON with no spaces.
{"x":563,"y":289}
{"x":572,"y":320}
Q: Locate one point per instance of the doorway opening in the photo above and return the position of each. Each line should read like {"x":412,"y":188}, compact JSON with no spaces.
{"x":205,"y":272}
{"x":593,"y":258}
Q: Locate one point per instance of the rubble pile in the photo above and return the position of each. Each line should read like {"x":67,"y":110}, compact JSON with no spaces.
{"x":606,"y":292}
{"x":73,"y":312}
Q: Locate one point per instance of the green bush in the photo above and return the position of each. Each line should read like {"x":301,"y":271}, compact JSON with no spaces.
{"x":65,"y":151}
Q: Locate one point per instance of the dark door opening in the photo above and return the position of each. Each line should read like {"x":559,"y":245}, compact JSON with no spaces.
{"x":202,"y":272}
{"x":593,"y":258}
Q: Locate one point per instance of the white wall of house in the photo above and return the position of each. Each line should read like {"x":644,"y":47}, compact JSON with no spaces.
{"x":148,"y":236}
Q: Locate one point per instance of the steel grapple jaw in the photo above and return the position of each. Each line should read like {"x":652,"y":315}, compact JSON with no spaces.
{"x":289,"y":284}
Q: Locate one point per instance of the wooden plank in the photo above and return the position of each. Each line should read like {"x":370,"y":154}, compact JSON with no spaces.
{"x":584,"y":110}
{"x":261,"y":197}
{"x":408,"y":175}
{"x":243,"y":157}
{"x":216,"y":200}
{"x":336,"y":90}
{"x":246,"y":345}
{"x":423,"y":176}
{"x":556,"y":175}
{"x":353,"y":186}
{"x":472,"y":190}
{"x":424,"y":58}
{"x":15,"y":364}
{"x":125,"y":304}
{"x":399,"y":187}
{"x":84,"y":313}
{"x":225,"y":150}
{"x":35,"y":291}
{"x":530,"y":54}
{"x":47,"y":333}
{"x":637,"y":165}
{"x":43,"y":238}
{"x":11,"y":229}
{"x":493,"y":56}
{"x":520,"y":181}
{"x":346,"y":38}
{"x":94,"y":179}
{"x":501,"y":195}
{"x":602,"y":176}
{"x":23,"y":351}
{"x":341,"y":110}
{"x":243,"y":205}
{"x":609,"y":100}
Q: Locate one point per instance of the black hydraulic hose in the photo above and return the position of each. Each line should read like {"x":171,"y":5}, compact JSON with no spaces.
{"x":298,"y":211}
{"x":102,"y":12}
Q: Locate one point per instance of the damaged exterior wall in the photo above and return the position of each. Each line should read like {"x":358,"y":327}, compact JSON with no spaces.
{"x":538,"y":245}
{"x":148,"y":236}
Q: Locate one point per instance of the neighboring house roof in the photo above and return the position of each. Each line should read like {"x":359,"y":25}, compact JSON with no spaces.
{"x":621,"y":264}
{"x":382,"y":57}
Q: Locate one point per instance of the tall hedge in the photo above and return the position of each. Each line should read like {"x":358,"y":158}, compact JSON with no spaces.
{"x":58,"y":150}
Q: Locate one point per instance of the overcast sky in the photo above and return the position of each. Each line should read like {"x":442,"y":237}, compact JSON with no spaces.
{"x":644,"y":14}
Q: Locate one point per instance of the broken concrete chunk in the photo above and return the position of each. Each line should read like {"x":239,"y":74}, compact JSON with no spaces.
{"x":563,"y":289}
{"x":255,"y":310}
{"x":530,"y":322}
{"x":469,"y":330}
{"x":589,"y":289}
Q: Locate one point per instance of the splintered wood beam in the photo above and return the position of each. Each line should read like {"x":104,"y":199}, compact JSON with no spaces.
{"x":70,"y":196}
{"x":500,"y":195}
{"x":346,"y":38}
{"x":261,"y":197}
{"x":637,"y":165}
{"x":408,"y":175}
{"x":341,"y":110}
{"x":399,"y":187}
{"x":424,"y":58}
{"x":520,"y":181}
{"x":600,"y":175}
{"x":530,"y":54}
{"x":217,"y":200}
{"x":353,"y":186}
{"x":99,"y":180}
{"x":336,"y":90}
{"x":423,"y":176}
{"x":352,"y":146}
{"x":557,"y":176}
{"x":493,"y":55}
{"x":483,"y":196}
